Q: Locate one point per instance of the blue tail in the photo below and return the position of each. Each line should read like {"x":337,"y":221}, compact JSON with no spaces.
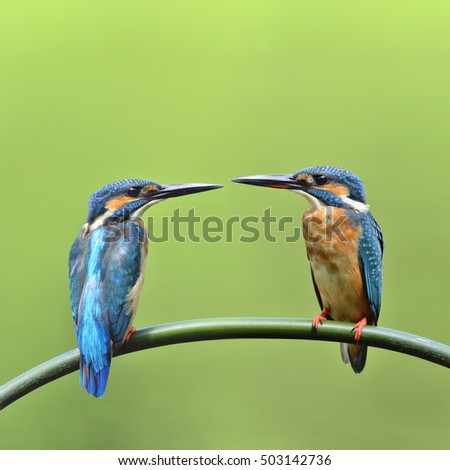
{"x":95,"y":356}
{"x":92,"y":380}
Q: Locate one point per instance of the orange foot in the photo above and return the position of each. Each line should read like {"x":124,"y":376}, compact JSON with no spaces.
{"x":129,"y":334}
{"x":358,"y":328}
{"x":319,"y":319}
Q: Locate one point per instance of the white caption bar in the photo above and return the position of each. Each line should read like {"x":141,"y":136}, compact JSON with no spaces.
{"x":195,"y":459}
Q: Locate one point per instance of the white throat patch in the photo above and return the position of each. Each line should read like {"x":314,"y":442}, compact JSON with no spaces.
{"x":141,"y":210}
{"x":313,"y":201}
{"x":317,"y":203}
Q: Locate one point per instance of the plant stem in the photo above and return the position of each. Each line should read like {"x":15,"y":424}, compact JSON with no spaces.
{"x":228,"y":328}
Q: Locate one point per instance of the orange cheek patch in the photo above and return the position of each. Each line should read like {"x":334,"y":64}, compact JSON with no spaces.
{"x":335,"y":188}
{"x":118,"y":202}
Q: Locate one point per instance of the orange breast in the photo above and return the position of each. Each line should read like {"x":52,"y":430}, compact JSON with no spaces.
{"x":331,"y":239}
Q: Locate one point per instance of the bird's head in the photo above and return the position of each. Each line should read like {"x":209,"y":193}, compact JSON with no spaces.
{"x":320,"y":185}
{"x":128,"y":198}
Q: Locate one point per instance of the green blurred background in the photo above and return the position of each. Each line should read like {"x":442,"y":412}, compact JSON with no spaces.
{"x":184,"y":91}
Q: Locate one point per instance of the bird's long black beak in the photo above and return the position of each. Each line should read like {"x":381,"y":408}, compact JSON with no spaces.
{"x":270,"y":181}
{"x":175,"y":190}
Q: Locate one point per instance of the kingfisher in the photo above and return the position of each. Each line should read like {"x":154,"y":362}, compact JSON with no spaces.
{"x":107,"y":268}
{"x":344,"y":245}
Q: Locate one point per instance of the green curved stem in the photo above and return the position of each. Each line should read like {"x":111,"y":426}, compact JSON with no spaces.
{"x":227,"y":328}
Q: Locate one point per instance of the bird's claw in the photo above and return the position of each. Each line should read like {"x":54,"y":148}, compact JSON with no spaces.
{"x":129,"y":334}
{"x":358,"y":329}
{"x":319,"y":319}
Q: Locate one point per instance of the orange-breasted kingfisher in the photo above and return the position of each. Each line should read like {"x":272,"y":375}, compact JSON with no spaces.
{"x":344,"y":246}
{"x":107,"y":267}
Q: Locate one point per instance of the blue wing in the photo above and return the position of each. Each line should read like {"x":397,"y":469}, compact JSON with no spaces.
{"x":124,"y":269}
{"x":371,"y":247}
{"x":104,"y":268}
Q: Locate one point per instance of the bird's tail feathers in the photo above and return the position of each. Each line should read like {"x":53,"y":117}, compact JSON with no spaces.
{"x":93,"y":380}
{"x":354,"y":354}
{"x":95,"y":358}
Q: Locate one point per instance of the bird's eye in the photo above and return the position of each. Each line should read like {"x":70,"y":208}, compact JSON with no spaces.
{"x":321,"y":180}
{"x":133,"y":192}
